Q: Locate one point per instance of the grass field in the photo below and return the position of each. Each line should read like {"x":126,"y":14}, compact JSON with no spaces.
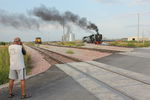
{"x":4,"y":64}
{"x":130,"y":43}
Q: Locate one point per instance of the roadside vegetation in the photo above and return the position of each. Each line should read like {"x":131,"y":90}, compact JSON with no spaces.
{"x":3,"y":43}
{"x":4,"y":64}
{"x":73,"y":43}
{"x":70,"y":52}
{"x":130,"y":43}
{"x":30,"y":43}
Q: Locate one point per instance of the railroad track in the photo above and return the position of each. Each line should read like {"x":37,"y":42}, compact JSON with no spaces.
{"x":118,"y":93}
{"x":83,"y":48}
{"x":63,"y":59}
{"x":112,"y":87}
{"x":54,"y":57}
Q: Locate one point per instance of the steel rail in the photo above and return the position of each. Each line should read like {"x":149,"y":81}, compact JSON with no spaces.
{"x":83,"y":48}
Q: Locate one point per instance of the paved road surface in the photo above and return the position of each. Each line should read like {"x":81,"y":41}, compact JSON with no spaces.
{"x":137,"y":61}
{"x":52,"y":85}
{"x":107,"y":82}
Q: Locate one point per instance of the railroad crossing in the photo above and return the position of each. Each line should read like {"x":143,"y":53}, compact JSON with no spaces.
{"x":108,"y":82}
{"x":90,"y":80}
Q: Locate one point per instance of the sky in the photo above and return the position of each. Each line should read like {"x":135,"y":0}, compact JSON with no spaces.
{"x":114,"y":18}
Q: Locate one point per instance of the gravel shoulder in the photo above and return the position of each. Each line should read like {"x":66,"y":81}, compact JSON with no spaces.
{"x":114,"y":48}
{"x":38,"y":63}
{"x":84,"y":55}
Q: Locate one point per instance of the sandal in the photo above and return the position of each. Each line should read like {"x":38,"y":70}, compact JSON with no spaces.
{"x":11,"y":95}
{"x":26,"y":96}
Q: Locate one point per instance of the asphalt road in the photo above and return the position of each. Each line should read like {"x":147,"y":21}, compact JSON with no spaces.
{"x":51,"y":85}
{"x":136,"y":61}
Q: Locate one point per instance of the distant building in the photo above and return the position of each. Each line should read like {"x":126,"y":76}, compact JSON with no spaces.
{"x":68,"y":37}
{"x":135,"y":38}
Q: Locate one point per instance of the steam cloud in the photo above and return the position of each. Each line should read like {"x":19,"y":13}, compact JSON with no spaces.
{"x":18,"y":20}
{"x":52,"y":14}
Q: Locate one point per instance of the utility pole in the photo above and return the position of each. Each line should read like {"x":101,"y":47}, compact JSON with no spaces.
{"x":143,"y":36}
{"x":149,"y":36}
{"x":63,"y":37}
{"x":63,"y":28}
{"x":138,"y":31}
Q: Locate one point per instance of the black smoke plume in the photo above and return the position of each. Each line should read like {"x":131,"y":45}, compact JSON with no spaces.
{"x":52,"y":14}
{"x":18,"y":20}
{"x":93,"y":27}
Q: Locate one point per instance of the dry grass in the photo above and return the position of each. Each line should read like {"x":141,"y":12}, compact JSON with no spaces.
{"x":130,"y":43}
{"x":74,"y":43}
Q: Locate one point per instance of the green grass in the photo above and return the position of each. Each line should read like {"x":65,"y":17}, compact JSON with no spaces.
{"x":4,"y":64}
{"x":130,"y":43}
{"x":27,"y":60}
{"x":30,"y":43}
{"x":70,"y":52}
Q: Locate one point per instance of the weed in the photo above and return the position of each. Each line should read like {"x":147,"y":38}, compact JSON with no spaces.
{"x":70,"y":52}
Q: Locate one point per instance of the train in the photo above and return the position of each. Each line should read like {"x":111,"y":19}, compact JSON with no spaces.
{"x":38,"y":40}
{"x":94,"y":38}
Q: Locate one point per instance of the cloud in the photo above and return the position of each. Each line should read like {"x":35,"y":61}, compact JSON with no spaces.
{"x":110,"y":1}
{"x":141,"y":2}
{"x":141,"y":25}
{"x":126,"y":2}
{"x":48,"y":27}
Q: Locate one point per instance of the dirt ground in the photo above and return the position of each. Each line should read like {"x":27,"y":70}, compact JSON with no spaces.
{"x":84,"y":55}
{"x":38,"y":63}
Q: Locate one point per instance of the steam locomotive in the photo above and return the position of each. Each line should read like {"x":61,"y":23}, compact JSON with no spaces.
{"x":94,"y":38}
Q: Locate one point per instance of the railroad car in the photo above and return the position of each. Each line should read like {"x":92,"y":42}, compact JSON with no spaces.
{"x":94,"y":38}
{"x":38,"y":40}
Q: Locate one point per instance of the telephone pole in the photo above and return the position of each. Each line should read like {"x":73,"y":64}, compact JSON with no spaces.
{"x":63,"y":31}
{"x":138,"y":31}
{"x":143,"y":36}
